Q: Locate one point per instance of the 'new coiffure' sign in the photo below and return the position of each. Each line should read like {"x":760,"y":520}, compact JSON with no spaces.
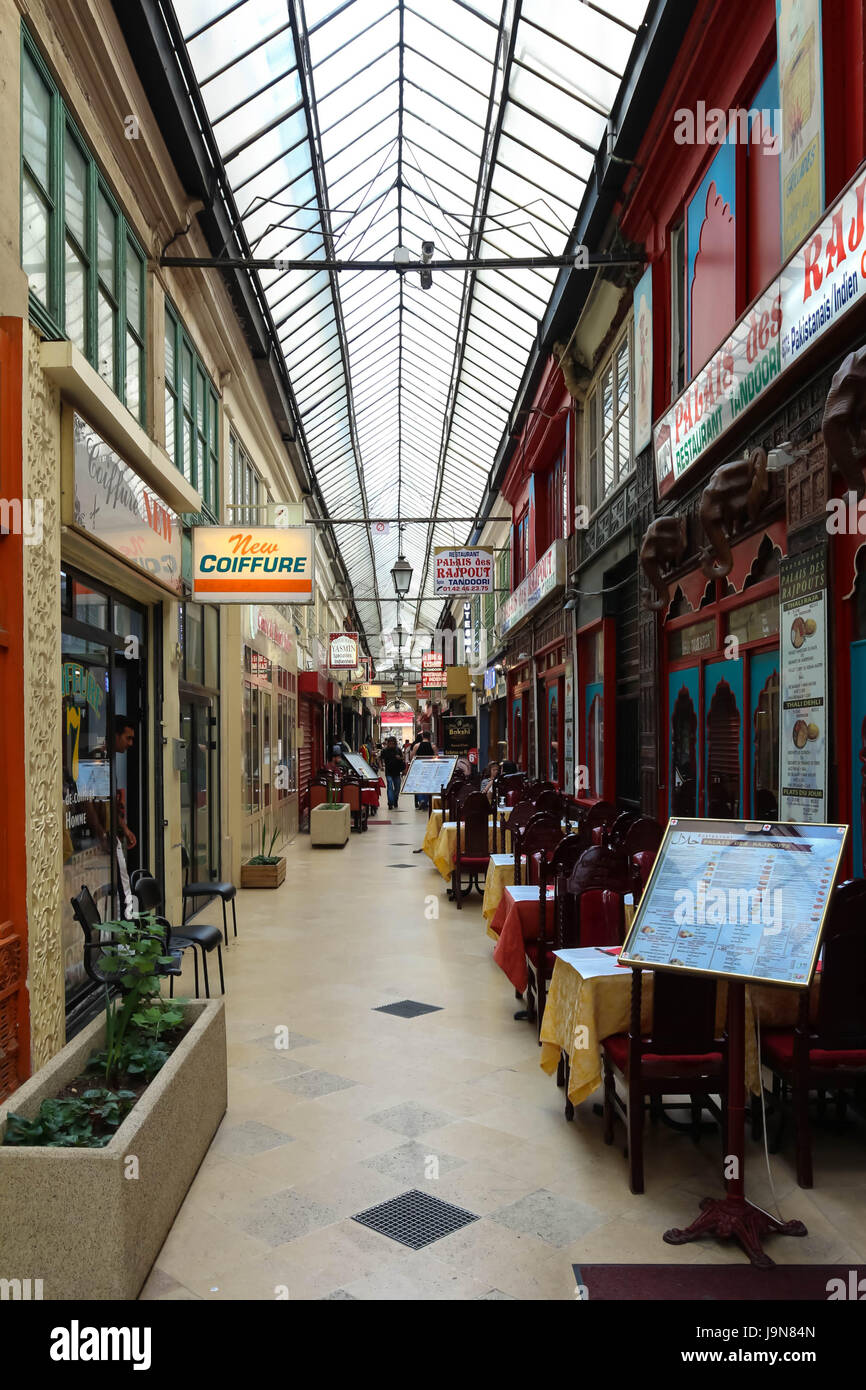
{"x":343,"y":651}
{"x":253,"y":564}
{"x":460,"y":573}
{"x":113,"y":505}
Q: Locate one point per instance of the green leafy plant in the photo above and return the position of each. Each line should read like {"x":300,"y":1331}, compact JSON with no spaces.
{"x":89,"y":1120}
{"x":267,"y":856}
{"x":132,"y":957}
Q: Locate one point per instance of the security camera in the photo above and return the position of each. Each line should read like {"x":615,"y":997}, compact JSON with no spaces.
{"x":427,"y":249}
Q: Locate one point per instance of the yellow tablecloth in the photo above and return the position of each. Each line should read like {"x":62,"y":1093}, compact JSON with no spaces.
{"x":580,"y":1013}
{"x":431,"y":834}
{"x":446,"y":847}
{"x":500,"y":875}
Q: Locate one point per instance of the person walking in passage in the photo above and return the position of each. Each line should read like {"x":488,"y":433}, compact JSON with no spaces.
{"x":395,"y":766}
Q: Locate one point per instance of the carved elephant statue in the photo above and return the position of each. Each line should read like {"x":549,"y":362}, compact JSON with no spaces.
{"x":844,"y":423}
{"x":735,"y":493}
{"x":664,"y":545}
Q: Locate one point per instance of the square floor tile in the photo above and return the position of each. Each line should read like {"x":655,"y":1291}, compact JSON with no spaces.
{"x":314,"y":1083}
{"x":555,"y":1219}
{"x":410,"y":1119}
{"x":407,"y":1008}
{"x":410,"y":1163}
{"x":415,"y":1219}
{"x":249,"y":1138}
{"x":495,"y":1294}
{"x":283,"y":1216}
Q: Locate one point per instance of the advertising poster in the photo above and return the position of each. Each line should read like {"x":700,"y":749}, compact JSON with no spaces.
{"x":459,"y":733}
{"x":801,"y":168}
{"x":568,"y":730}
{"x":803,"y":650}
{"x":254,"y":564}
{"x":738,"y":898}
{"x":643,"y":360}
{"x":462,"y":572}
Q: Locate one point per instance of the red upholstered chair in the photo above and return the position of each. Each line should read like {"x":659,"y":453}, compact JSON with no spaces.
{"x":598,"y":817}
{"x":616,"y":832}
{"x":518,"y":819}
{"x":573,"y":813}
{"x":540,"y":838}
{"x":644,"y":833}
{"x":553,"y":869}
{"x":549,"y":801}
{"x":511,"y":786}
{"x":831,"y":1054}
{"x":473,"y":843}
{"x":352,"y":793}
{"x":643,"y":862}
{"x":680,"y":1055}
{"x":519,"y":824}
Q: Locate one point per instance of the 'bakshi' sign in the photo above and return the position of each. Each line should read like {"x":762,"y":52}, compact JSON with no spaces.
{"x":253,"y":564}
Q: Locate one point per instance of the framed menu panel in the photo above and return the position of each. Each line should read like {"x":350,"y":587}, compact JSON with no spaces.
{"x":360,"y":765}
{"x":738,"y":898}
{"x":426,"y":776}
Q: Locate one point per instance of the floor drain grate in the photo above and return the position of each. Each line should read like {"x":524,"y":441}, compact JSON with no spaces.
{"x":408,"y":1008}
{"x":415,"y":1219}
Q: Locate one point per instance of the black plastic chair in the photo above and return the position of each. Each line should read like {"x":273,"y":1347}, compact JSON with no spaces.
{"x":201,"y":934}
{"x":86,"y":914}
{"x":226,"y":892}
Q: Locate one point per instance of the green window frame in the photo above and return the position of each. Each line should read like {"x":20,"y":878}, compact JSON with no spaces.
{"x":85,"y":267}
{"x":191,"y":413}
{"x":247,"y":492}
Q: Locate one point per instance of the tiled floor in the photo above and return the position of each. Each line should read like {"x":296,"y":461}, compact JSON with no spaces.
{"x":361,"y":1106}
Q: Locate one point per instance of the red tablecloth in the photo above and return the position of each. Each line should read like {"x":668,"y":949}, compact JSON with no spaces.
{"x":516,"y":922}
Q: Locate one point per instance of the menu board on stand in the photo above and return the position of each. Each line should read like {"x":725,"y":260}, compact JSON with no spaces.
{"x":427,"y":776}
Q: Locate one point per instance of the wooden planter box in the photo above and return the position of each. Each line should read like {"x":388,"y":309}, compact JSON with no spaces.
{"x":74,"y":1218}
{"x":263,"y":875}
{"x":330,"y":825}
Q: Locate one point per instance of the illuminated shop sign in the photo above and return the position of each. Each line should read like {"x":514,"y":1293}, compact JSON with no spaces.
{"x":253,"y":564}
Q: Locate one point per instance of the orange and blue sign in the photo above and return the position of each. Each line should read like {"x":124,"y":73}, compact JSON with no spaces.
{"x":253,"y":564}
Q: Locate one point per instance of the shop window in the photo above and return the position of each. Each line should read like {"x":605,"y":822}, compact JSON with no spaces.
{"x":191,"y":413}
{"x":86,"y":269}
{"x":678,"y":308}
{"x":696,"y":637}
{"x":521,"y":548}
{"x":766,"y":751}
{"x":558,"y":499}
{"x":684,"y":765}
{"x":608,"y":414}
{"x":723,"y":755}
{"x":754,"y":620}
{"x":247,"y":492}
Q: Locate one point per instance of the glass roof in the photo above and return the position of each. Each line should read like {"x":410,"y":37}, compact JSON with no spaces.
{"x":348,"y":129}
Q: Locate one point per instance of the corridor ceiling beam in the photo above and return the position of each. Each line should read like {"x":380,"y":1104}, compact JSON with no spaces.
{"x":592,"y":261}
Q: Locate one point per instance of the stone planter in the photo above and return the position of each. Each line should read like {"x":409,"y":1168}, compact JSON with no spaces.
{"x":263,"y":875}
{"x":90,"y":1222}
{"x":330,"y":825}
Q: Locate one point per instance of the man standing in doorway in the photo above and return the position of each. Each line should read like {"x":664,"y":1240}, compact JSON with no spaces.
{"x":124,"y":739}
{"x":395,"y":766}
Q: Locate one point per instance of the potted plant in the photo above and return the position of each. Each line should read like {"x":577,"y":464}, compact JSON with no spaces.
{"x":266,"y":869}
{"x":330,"y":822}
{"x":98,"y":1149}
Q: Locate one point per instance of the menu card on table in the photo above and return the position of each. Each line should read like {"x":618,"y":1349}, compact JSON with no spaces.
{"x":738,"y":898}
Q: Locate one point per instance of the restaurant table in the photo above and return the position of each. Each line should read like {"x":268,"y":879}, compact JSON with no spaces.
{"x":431,"y":834}
{"x":500,"y":874}
{"x":445,"y":850}
{"x":514,"y":923}
{"x":589,"y":999}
